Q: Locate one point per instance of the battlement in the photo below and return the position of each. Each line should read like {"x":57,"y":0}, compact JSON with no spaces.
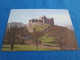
{"x":42,"y":20}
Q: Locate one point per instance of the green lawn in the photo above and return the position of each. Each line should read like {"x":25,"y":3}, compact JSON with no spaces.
{"x":25,"y":48}
{"x":46,"y":39}
{"x":50,"y":44}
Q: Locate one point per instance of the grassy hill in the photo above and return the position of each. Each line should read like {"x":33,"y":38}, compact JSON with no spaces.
{"x":39,"y":27}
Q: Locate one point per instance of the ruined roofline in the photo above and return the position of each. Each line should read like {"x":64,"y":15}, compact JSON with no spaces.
{"x":40,"y":18}
{"x":43,"y":20}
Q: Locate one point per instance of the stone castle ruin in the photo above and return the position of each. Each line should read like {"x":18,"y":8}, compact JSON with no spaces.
{"x":43,"y":20}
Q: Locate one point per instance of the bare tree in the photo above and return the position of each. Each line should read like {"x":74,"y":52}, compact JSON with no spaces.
{"x":35,"y":37}
{"x":12,"y":36}
{"x":22,"y":31}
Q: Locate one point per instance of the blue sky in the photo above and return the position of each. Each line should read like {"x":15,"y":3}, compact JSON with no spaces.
{"x":61,"y":16}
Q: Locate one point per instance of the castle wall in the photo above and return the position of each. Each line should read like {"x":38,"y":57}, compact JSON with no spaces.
{"x":49,"y":21}
{"x":44,"y":20}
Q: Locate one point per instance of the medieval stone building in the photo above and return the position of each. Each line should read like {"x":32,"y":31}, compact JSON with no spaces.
{"x":43,"y":19}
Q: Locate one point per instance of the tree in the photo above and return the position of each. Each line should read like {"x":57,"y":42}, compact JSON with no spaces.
{"x":12,"y":36}
{"x":35,"y":37}
{"x":21,"y":33}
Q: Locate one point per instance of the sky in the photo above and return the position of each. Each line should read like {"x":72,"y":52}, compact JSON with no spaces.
{"x":61,"y":16}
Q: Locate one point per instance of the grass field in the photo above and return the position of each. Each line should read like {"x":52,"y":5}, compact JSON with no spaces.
{"x":20,"y":47}
{"x":46,"y":41}
{"x":25,"y":48}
